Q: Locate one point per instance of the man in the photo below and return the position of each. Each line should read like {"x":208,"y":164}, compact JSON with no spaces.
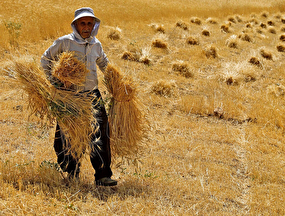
{"x":88,"y":49}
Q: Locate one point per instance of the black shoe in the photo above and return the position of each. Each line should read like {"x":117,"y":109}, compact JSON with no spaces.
{"x":106,"y":182}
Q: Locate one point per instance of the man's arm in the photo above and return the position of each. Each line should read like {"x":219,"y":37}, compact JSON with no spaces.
{"x":102,"y":61}
{"x":48,"y":58}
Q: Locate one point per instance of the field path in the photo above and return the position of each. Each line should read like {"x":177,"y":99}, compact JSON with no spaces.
{"x":241,"y":178}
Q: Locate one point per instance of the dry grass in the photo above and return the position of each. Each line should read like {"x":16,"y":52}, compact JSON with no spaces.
{"x":282,"y":29}
{"x":277,"y":90}
{"x":214,"y":144}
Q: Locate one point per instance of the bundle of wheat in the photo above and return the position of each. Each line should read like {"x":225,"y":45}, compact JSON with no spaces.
{"x":164,"y":88}
{"x":225,"y":28}
{"x":192,"y":40}
{"x":272,"y":30}
{"x":266,"y":53}
{"x":196,"y":20}
{"x":245,"y":37}
{"x":182,"y":68}
{"x":211,"y":20}
{"x":206,"y":33}
{"x":36,"y":86}
{"x":232,"y":19}
{"x":211,"y":51}
{"x":127,"y":55}
{"x":126,"y":117}
{"x":72,"y":111}
{"x":280,"y":47}
{"x":232,"y":42}
{"x":115,"y":34}
{"x":160,"y":28}
{"x":182,"y":25}
{"x":255,"y":61}
{"x":69,"y":70}
{"x":159,"y":43}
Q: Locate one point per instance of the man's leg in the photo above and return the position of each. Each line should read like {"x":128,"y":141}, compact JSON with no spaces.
{"x":100,"y":143}
{"x":64,"y":158}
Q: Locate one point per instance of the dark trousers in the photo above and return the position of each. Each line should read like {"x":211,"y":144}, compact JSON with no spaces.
{"x":100,"y":144}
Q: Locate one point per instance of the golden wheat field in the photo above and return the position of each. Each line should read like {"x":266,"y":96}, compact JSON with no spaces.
{"x":211,"y":78}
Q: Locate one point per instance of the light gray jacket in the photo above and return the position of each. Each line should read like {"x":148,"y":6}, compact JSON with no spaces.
{"x":88,"y":50}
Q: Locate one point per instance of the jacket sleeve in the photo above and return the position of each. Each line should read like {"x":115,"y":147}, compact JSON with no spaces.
{"x":102,"y":61}
{"x":50,"y":56}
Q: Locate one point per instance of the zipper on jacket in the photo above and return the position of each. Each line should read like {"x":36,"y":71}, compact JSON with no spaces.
{"x":85,"y":54}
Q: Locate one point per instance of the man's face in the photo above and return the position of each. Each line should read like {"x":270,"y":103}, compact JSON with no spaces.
{"x":84,"y":26}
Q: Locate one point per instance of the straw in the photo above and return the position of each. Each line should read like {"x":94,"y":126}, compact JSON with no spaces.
{"x":69,"y":70}
{"x":71,"y":110}
{"x":125,"y":114}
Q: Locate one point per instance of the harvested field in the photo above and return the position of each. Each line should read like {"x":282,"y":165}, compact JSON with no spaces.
{"x":214,"y":139}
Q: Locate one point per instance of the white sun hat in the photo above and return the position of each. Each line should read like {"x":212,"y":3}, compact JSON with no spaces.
{"x":83,"y":12}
